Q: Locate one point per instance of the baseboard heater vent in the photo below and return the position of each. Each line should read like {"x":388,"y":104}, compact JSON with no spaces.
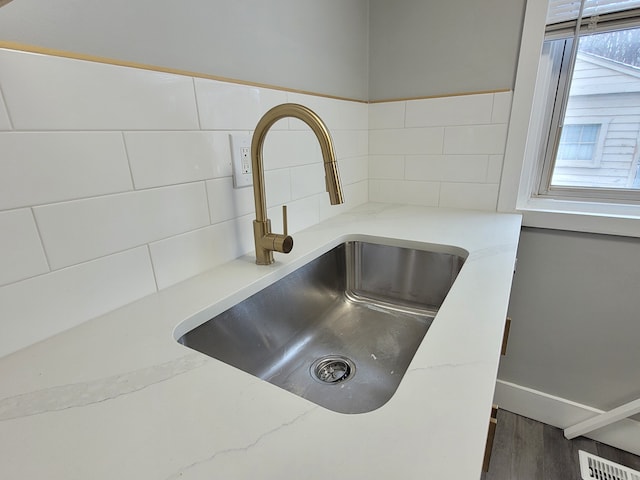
{"x":596,"y":468}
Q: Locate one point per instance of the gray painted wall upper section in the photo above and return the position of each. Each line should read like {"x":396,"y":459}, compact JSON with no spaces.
{"x":301,"y":44}
{"x":414,"y":47}
{"x":423,"y":48}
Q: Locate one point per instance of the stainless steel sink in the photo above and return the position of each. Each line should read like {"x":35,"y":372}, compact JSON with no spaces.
{"x":341,"y":330}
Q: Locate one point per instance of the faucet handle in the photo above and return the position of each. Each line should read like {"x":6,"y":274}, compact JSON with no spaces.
{"x":284,"y":220}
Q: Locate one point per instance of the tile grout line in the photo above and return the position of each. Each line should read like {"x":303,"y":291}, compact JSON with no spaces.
{"x":109,"y":194}
{"x":126,"y":153}
{"x":6,"y":106}
{"x":44,"y":249}
{"x":102,"y":256}
{"x":83,"y":262}
{"x":195,"y":97}
{"x":493,"y":108}
{"x":206,"y":193}
{"x":153,"y":267}
{"x":486,"y":171}
{"x":404,"y":114}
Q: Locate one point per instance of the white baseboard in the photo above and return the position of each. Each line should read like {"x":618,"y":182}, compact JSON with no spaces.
{"x":563,"y":413}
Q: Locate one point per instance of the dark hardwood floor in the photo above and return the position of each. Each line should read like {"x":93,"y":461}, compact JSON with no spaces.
{"x":524,"y":449}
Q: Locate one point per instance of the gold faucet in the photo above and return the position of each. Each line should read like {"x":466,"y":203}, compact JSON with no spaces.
{"x":266,"y":241}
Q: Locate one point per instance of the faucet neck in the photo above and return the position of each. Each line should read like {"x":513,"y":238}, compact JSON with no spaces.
{"x":321,"y":131}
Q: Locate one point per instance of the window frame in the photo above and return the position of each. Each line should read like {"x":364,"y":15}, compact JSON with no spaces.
{"x":557,"y":117}
{"x":520,"y":177}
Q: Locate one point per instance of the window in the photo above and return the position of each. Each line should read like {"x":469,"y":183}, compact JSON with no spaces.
{"x":589,"y":145}
{"x":579,"y":144}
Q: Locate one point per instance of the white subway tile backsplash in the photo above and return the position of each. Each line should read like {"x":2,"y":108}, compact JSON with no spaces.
{"x":5,"y":124}
{"x":385,"y":191}
{"x":386,"y":167}
{"x":47,"y":167}
{"x":226,"y":202}
{"x":166,"y":158}
{"x":353,"y":115}
{"x":221,"y":154}
{"x":407,"y":141}
{"x":488,"y":139}
{"x":37,"y":308}
{"x":301,"y":214}
{"x":386,"y":115}
{"x":283,"y":149}
{"x":354,"y":194}
{"x":461,"y":110}
{"x":424,"y":167}
{"x":21,"y":253}
{"x":77,"y":231}
{"x":474,"y":196}
{"x":501,"y":107}
{"x":353,"y":170}
{"x":278,"y":186}
{"x":350,"y":143}
{"x":183,"y":256}
{"x":451,"y":168}
{"x":421,"y":193}
{"x":227,"y":106}
{"x":55,"y":93}
{"x":407,"y":166}
{"x":307,"y":180}
{"x":357,"y":193}
{"x":409,"y":192}
{"x":494,"y":172}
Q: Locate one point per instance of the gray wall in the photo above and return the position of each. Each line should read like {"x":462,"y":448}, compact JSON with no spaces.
{"x":575,"y":306}
{"x":418,"y":47}
{"x":423,"y":48}
{"x":301,"y":44}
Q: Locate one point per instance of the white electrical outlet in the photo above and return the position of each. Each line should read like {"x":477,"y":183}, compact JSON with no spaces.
{"x":241,"y":159}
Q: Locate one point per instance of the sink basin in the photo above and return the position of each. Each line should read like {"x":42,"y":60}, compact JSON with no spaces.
{"x":341,"y":330}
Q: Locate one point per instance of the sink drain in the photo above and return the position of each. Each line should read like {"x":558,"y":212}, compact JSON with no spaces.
{"x":332,"y":369}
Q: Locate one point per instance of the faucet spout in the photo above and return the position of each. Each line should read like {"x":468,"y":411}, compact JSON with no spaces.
{"x":267,"y":242}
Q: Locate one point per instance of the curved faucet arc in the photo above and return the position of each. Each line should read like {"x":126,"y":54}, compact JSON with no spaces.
{"x":267,"y":242}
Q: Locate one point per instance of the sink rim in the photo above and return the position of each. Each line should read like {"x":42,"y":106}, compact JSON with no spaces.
{"x":291,"y":263}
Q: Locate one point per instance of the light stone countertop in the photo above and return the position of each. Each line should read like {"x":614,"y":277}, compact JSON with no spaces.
{"x":118,"y":397}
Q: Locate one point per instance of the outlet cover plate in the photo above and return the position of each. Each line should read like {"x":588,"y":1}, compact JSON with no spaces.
{"x":240,"y":144}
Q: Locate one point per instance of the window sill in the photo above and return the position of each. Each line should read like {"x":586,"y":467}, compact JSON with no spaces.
{"x":593,"y":217}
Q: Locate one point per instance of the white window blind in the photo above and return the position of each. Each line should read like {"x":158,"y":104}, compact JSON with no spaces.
{"x":568,"y":10}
